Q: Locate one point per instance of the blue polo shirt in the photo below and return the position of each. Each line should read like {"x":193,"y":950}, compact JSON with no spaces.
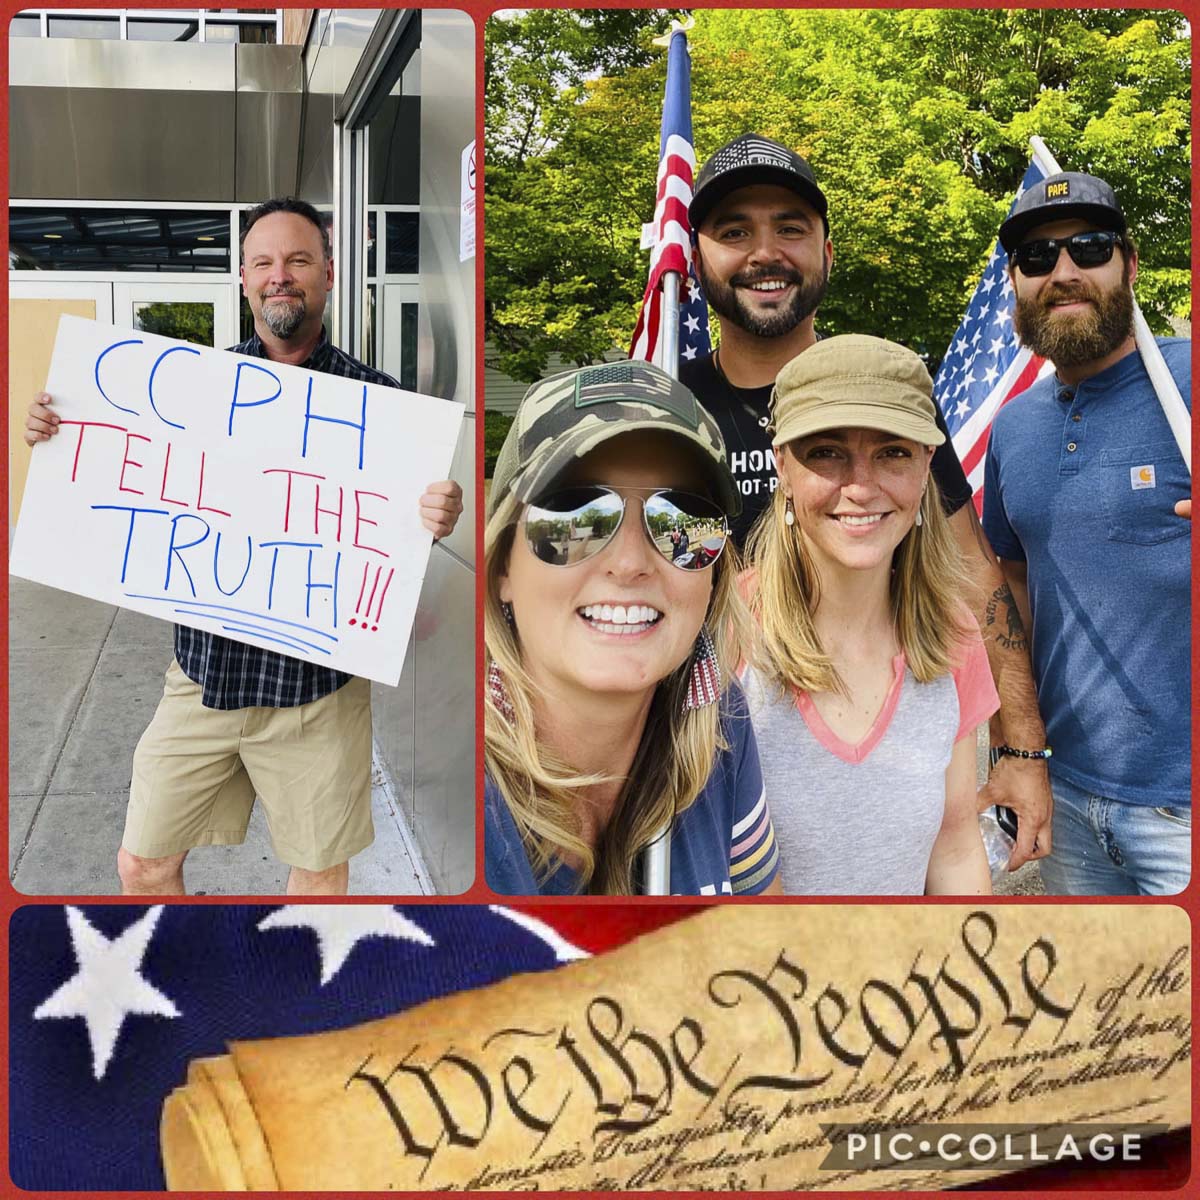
{"x":724,"y":844}
{"x":1080,"y":484}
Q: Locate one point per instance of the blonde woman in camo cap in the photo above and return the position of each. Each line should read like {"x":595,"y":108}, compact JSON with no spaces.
{"x":609,"y":712}
{"x":870,"y":677}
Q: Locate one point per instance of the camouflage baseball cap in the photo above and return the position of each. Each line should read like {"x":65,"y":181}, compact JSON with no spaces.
{"x":568,"y":415}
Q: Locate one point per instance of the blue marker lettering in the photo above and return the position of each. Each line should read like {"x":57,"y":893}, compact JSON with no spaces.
{"x":154,"y":371}
{"x":360,"y":425}
{"x":133,"y":516}
{"x":174,"y":550}
{"x":275,"y":560}
{"x":216,"y":572}
{"x":99,"y":387}
{"x":234,"y":405}
{"x":312,"y":587}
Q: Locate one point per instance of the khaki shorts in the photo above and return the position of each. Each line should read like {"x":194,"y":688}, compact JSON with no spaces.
{"x":196,"y":771}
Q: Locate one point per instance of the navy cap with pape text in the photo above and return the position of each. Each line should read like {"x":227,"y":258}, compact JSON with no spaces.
{"x":1059,"y":197}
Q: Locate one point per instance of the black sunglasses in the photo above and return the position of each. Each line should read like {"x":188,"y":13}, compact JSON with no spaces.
{"x":574,"y":524}
{"x":1091,"y":249}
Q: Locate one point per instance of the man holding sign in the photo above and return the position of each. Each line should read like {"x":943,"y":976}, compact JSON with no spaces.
{"x":1082,"y":502}
{"x":236,"y":719}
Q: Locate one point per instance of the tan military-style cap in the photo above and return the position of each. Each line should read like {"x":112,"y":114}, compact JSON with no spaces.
{"x":855,"y":382}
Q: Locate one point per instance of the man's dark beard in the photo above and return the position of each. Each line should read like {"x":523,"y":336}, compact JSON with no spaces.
{"x":284,"y":319}
{"x":1083,"y":337}
{"x":725,"y":301}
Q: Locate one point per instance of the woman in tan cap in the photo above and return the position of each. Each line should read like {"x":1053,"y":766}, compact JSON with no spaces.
{"x":870,"y":676}
{"x":610,"y":714}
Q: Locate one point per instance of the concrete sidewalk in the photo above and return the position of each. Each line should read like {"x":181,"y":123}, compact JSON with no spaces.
{"x":84,"y":681}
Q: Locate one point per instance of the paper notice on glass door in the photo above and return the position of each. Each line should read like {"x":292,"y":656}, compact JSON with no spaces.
{"x":467,"y":192}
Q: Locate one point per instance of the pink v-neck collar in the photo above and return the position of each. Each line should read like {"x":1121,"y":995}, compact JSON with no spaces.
{"x":834,"y":744}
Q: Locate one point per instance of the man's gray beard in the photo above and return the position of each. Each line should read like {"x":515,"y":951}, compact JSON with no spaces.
{"x":724,"y":300}
{"x":1079,"y":339}
{"x":284,"y":319}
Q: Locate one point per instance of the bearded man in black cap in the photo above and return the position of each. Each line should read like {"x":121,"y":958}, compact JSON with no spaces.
{"x":763,"y":255}
{"x":1083,"y":495}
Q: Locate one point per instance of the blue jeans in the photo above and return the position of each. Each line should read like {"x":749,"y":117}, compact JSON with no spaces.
{"x":1106,"y":847}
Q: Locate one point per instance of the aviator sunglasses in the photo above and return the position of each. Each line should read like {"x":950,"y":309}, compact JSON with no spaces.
{"x":1091,"y":249}
{"x":573,"y":524}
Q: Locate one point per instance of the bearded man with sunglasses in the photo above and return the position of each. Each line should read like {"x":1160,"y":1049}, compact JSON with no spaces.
{"x":1083,"y":499}
{"x":763,"y":255}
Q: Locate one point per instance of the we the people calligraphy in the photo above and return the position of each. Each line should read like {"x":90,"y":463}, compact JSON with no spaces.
{"x":740,"y":1049}
{"x":629,"y":1076}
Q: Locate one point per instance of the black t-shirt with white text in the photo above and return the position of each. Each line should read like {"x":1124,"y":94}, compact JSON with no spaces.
{"x":743,"y":414}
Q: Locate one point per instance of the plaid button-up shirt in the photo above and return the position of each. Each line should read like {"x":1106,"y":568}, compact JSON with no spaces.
{"x":233,"y":674}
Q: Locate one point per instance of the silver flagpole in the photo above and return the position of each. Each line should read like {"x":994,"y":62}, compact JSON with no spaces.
{"x":1174,"y":409}
{"x":658,"y":853}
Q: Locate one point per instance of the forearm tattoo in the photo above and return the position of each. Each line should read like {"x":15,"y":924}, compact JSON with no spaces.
{"x":1004,"y":620}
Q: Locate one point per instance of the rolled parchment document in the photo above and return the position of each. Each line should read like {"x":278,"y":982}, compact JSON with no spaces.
{"x":717,"y":1053}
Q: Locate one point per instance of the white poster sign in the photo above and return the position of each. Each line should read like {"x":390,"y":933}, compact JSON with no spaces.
{"x":262,"y":502}
{"x":466,"y":205}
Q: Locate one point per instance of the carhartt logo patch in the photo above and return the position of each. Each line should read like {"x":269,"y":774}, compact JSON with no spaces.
{"x":1142,"y":477}
{"x":1059,"y":189}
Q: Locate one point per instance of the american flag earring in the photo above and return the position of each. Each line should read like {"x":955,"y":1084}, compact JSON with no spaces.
{"x":499,"y":693}
{"x":704,"y":686}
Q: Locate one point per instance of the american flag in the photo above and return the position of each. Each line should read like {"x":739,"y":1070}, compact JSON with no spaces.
{"x":985,"y":366}
{"x":672,"y":240}
{"x":109,"y":1003}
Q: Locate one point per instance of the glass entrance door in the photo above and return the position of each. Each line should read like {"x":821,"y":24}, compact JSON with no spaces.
{"x":204,"y":314}
{"x":399,"y":305}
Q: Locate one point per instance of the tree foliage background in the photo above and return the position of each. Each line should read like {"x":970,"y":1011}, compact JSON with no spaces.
{"x":916,"y":123}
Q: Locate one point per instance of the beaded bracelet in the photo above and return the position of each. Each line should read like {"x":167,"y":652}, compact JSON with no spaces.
{"x":1010,"y":752}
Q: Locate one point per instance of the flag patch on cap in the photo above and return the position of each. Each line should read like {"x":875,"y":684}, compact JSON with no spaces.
{"x":1142,"y":477}
{"x":1059,"y":189}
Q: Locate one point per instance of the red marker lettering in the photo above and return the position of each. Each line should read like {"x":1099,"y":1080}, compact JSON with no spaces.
{"x":79,"y":445}
{"x":360,"y":520}
{"x":287,"y":509}
{"x":162,"y":492}
{"x":127,"y":462}
{"x":200,"y":505}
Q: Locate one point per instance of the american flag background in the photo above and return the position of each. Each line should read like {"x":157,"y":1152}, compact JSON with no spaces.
{"x":672,"y":245}
{"x":109,"y":1003}
{"x":984,"y":366}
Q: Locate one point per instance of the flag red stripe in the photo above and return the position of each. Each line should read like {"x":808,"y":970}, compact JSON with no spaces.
{"x":678,"y":167}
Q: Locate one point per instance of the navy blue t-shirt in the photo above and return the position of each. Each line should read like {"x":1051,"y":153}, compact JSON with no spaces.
{"x":1081,"y":483}
{"x":724,"y":844}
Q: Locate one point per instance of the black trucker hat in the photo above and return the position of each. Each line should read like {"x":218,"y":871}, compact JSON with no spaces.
{"x":752,"y":159}
{"x":1057,"y":197}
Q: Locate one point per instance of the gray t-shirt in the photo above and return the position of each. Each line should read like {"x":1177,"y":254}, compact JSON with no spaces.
{"x":861,"y":820}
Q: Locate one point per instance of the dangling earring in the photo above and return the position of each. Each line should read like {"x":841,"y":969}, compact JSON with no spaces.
{"x":920,"y":519}
{"x":506,"y":611}
{"x":499,"y":693}
{"x":704,"y":686}
{"x":789,"y":517}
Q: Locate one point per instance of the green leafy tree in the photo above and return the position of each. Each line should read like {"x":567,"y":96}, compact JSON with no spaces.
{"x":916,"y":122}
{"x":186,"y":320}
